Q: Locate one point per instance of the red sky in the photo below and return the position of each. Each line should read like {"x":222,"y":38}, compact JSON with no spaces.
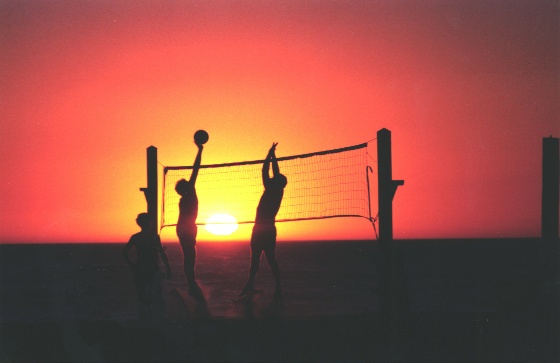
{"x":468,"y":89}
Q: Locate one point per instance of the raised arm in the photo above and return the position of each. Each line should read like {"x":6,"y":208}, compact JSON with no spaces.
{"x":266,"y":164}
{"x":196,"y":165}
{"x":275,"y":168}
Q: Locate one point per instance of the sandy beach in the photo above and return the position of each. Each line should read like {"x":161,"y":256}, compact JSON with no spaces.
{"x":484,"y":300}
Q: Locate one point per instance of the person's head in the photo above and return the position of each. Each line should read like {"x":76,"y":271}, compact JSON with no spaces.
{"x":182,"y":187}
{"x":143,"y":220}
{"x":280,"y":181}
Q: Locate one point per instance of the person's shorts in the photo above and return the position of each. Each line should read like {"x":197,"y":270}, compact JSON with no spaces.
{"x":187,"y":236}
{"x":263,"y":237}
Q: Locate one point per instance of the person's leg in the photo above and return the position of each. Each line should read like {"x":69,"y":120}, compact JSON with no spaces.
{"x":255,"y":264}
{"x":141,"y":288}
{"x":189,"y":260}
{"x":270,"y":254}
{"x":154,"y":294}
{"x":158,"y":296}
{"x":187,"y":240}
{"x":189,"y":263}
{"x":256,"y":252}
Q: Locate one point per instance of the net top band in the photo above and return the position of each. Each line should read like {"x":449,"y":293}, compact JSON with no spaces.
{"x":301,"y":156}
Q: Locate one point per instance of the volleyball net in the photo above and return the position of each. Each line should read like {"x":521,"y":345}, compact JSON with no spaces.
{"x":325,"y":184}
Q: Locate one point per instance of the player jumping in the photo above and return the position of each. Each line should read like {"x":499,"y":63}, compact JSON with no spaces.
{"x":186,"y":225}
{"x":263,"y":237}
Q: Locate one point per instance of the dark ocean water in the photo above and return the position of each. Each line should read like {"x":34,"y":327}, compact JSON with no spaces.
{"x":47,"y":282}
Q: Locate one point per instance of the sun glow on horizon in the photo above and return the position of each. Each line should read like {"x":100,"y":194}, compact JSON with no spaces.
{"x":221,"y":224}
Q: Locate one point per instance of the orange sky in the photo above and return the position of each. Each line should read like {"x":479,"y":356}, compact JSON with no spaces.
{"x":468,"y":89}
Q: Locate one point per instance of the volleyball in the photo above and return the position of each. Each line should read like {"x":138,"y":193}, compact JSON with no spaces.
{"x":201,"y":137}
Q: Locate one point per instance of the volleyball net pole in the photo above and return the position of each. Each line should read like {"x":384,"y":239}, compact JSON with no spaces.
{"x":386,"y":186}
{"x":151,"y":191}
{"x":392,"y":286}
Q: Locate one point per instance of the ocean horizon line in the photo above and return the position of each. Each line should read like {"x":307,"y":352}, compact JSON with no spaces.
{"x":241,"y":241}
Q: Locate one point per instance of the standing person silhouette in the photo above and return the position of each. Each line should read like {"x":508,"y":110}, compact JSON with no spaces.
{"x":145,"y":268}
{"x":186,"y":224}
{"x":263,"y":237}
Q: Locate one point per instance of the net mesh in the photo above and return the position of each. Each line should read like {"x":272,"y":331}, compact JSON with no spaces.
{"x":325,"y":184}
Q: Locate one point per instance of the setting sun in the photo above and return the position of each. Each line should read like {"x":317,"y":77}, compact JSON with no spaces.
{"x":221,"y":224}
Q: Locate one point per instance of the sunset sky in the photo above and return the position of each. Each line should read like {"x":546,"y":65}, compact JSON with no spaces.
{"x":467,"y":88}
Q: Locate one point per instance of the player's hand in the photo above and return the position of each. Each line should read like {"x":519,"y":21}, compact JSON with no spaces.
{"x":273,"y":147}
{"x":199,"y":146}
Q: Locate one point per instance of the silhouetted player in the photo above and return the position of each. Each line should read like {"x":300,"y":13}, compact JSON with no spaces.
{"x":186,"y":225}
{"x":145,"y":268}
{"x":263,"y":237}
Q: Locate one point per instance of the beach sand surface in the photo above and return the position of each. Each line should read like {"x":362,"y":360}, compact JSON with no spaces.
{"x":465,"y":300}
